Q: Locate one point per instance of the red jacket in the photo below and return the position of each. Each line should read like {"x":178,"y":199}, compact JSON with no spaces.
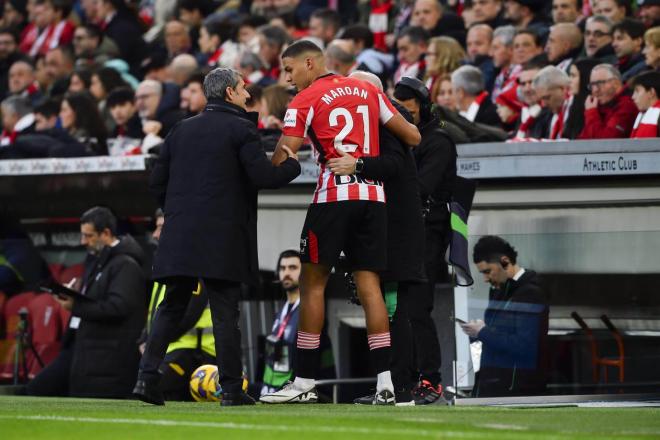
{"x":612,"y":120}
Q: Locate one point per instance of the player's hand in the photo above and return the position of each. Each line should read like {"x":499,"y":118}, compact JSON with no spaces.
{"x":473,"y":328}
{"x":344,"y":165}
{"x":590,"y":102}
{"x":289,"y":152}
{"x":65,"y":301}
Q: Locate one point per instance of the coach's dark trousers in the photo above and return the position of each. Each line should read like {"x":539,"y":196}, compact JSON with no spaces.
{"x":224,"y":297}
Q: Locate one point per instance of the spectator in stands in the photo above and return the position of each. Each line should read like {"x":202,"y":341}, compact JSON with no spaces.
{"x":527,"y":44}
{"x":50,"y":28}
{"x":579,"y":74}
{"x":122,"y":26}
{"x":22,"y":81}
{"x":479,"y":39}
{"x":429,"y":14}
{"x":489,"y":12}
{"x":177,"y":39}
{"x":527,"y":14}
{"x":99,"y":356}
{"x":15,"y":14}
{"x":196,"y":99}
{"x":523,"y":105}
{"x":192,"y":14}
{"x":80,"y":80}
{"x":9,"y":54}
{"x":324,"y":24}
{"x":59,"y":64}
{"x":649,"y":12}
{"x":552,"y":86}
{"x":501,"y":51}
{"x":444,"y":55}
{"x":251,"y":68}
{"x":81,"y":119}
{"x":627,"y":43}
{"x":91,"y":47}
{"x":615,"y":10}
{"x":180,"y":69}
{"x":247,"y":31}
{"x":411,"y":44}
{"x":608,"y":112}
{"x":272,"y":40}
{"x":17,"y":119}
{"x":155,"y":67}
{"x":471,"y":97}
{"x":340,"y":58}
{"x":564,"y":45}
{"x":445,"y":97}
{"x":103,"y":82}
{"x":368,"y":59}
{"x":646,"y":95}
{"x":598,"y":39}
{"x":46,"y":114}
{"x":158,"y":102}
{"x":652,"y":48}
{"x":566,"y":11}
{"x":514,"y":331}
{"x":215,"y":43}
{"x":127,"y":135}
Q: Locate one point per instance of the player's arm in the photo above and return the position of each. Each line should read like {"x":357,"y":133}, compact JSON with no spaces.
{"x":294,"y":143}
{"x":404,"y":130}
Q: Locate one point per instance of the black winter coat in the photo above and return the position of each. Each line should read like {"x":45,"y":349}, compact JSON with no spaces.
{"x":206,"y":179}
{"x":405,"y":226}
{"x":105,"y":351}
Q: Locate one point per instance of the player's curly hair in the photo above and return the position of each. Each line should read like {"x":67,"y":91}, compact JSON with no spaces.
{"x":491,"y":248}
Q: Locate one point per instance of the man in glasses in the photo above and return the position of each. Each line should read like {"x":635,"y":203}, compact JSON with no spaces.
{"x":598,"y":39}
{"x":608,"y":112}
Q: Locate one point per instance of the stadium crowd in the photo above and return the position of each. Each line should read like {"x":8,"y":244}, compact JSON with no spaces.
{"x":97,"y":77}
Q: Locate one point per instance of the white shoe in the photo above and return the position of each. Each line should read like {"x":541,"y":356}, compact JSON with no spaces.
{"x":290,"y":394}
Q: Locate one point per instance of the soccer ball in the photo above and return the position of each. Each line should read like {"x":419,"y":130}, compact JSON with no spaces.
{"x":204,"y":386}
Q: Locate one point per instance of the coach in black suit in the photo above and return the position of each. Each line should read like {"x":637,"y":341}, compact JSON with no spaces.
{"x":206,"y":180}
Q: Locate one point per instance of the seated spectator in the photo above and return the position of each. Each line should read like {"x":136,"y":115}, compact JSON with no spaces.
{"x":324,"y":24}
{"x":46,"y":114}
{"x":103,"y":82}
{"x":564,"y":45}
{"x":159,"y":102}
{"x":216,"y":47}
{"x":50,"y":28}
{"x":614,"y":10}
{"x":91,"y":47}
{"x":368,"y":59}
{"x":251,"y":68}
{"x":155,"y":67}
{"x":652,"y":48}
{"x":196,"y":98}
{"x":445,"y":97}
{"x":411,"y":44}
{"x":15,"y":14}
{"x":649,"y":12}
{"x":608,"y":112}
{"x":80,"y":80}
{"x":122,"y":26}
{"x":192,"y":14}
{"x":58,"y":64}
{"x":339,"y":57}
{"x":17,"y":119}
{"x":552,"y":86}
{"x":527,"y":14}
{"x":598,"y":39}
{"x":527,"y":44}
{"x":255,"y":102}
{"x":579,"y":74}
{"x":627,"y":43}
{"x":566,"y":11}
{"x":444,"y":55}
{"x":489,"y":12}
{"x":127,"y":135}
{"x":519,"y":108}
{"x":471,"y":98}
{"x":81,"y":119}
{"x":247,"y":31}
{"x":479,"y":39}
{"x":647,"y":99}
{"x":430,"y":15}
{"x":23,"y":82}
{"x":272,"y":40}
{"x":501,"y":51}
{"x":180,"y":69}
{"x":99,"y":355}
{"x":9,"y":54}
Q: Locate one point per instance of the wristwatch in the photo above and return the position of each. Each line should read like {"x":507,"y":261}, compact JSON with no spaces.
{"x":359,"y":165}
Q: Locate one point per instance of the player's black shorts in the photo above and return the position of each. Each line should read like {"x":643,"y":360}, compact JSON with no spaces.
{"x":357,"y":227}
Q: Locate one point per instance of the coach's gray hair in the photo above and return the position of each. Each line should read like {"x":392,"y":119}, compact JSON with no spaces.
{"x":551,"y":76}
{"x":614,"y":72}
{"x":601,"y":19}
{"x":468,"y":78}
{"x":18,"y":105}
{"x":217,"y":81}
{"x":506,"y":34}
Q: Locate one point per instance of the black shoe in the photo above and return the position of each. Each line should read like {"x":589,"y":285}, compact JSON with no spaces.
{"x":426,"y":393}
{"x":404,"y":397}
{"x":236,"y":399}
{"x":364,"y":400}
{"x":148,"y":393}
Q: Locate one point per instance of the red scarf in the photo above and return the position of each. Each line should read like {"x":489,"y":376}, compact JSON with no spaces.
{"x":646,"y":124}
{"x":378,"y":22}
{"x":215,"y":58}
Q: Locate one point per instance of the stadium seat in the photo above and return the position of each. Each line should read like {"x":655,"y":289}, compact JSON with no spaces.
{"x":3,"y":301}
{"x":598,"y":361}
{"x":46,"y":330}
{"x":71,"y":272}
{"x":11,"y":319}
{"x":56,"y":271}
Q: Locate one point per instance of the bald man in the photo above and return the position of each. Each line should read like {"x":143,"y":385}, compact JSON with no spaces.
{"x":22,"y":81}
{"x":564,"y":45}
{"x":181,"y":68}
{"x":340,"y":57}
{"x":479,"y":39}
{"x":430,"y":15}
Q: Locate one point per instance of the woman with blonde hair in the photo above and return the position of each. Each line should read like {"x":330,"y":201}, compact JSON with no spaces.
{"x":652,"y":47}
{"x":444,"y":55}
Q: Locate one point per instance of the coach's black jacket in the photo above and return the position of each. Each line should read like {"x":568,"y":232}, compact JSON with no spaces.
{"x":206,"y":180}
{"x":105,"y":351}
{"x":405,"y":227}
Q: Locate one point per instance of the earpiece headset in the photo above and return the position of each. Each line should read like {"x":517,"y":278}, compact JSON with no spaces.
{"x":422,"y":94}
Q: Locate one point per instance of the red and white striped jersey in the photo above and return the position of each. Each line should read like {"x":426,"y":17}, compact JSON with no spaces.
{"x":646,"y":124}
{"x":339,"y":113}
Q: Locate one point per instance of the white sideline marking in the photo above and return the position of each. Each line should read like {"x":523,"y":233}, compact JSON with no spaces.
{"x":502,"y":426}
{"x":253,"y":427}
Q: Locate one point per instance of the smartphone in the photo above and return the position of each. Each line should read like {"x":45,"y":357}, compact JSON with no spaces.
{"x":459,"y":320}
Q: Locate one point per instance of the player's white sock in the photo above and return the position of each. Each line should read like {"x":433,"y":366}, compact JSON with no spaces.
{"x":384,"y":382}
{"x":303,"y":384}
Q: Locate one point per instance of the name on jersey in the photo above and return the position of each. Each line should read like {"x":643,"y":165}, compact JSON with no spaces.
{"x":347,"y":180}
{"x":344,"y":91}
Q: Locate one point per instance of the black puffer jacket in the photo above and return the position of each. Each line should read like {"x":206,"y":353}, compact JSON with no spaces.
{"x":105,"y":351}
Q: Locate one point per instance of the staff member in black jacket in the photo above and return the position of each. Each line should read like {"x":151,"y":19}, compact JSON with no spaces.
{"x":436,"y":169}
{"x":206,"y":180}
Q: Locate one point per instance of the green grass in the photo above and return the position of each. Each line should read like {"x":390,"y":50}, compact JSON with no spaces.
{"x":28,"y":418}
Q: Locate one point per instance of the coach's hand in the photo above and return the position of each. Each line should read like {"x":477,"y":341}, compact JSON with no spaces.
{"x":289,"y":152}
{"x":344,"y":165}
{"x":473,"y":328}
